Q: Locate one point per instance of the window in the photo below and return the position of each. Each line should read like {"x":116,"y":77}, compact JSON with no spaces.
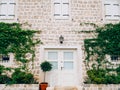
{"x":113,"y":61}
{"x":53,"y":58}
{"x":68,"y":60}
{"x":115,"y":58}
{"x":112,"y":9}
{"x":7,"y":60}
{"x":7,"y":9}
{"x":61,"y":9}
{"x":4,"y":58}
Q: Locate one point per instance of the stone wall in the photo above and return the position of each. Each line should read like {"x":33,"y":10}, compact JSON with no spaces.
{"x":19,"y":87}
{"x":39,"y":15}
{"x":101,"y":87}
{"x":36,"y":87}
{"x":88,"y":87}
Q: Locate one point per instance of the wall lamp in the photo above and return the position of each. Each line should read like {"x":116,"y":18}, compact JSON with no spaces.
{"x":61,"y":39}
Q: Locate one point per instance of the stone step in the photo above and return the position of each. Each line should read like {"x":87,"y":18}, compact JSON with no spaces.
{"x":65,"y":88}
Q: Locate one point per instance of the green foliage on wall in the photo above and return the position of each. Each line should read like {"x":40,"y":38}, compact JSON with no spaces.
{"x":16,"y":40}
{"x":20,"y":42}
{"x":107,"y":43}
{"x":20,"y":77}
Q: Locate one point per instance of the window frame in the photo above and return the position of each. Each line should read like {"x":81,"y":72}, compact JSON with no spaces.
{"x":10,"y":19}
{"x":61,"y":16}
{"x":107,"y":2}
{"x":7,"y":62}
{"x":4,"y":58}
{"x":115,"y":58}
{"x":110,"y":58}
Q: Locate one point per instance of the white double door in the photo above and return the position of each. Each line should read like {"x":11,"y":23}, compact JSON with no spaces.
{"x":64,"y":71}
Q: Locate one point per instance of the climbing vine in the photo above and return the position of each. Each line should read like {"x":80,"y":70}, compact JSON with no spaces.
{"x":20,"y":42}
{"x":107,"y":43}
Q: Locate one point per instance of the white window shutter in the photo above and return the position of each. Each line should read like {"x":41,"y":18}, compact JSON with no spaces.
{"x":61,"y":9}
{"x":116,"y":13}
{"x":57,"y":8}
{"x":112,"y":9}
{"x":3,"y":9}
{"x":11,"y":9}
{"x":65,"y":8}
{"x":108,"y":12}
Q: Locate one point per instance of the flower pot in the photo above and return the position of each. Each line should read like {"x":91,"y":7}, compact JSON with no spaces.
{"x":43,"y":86}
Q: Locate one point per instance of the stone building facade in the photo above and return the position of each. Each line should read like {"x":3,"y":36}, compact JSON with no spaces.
{"x":55,"y":18}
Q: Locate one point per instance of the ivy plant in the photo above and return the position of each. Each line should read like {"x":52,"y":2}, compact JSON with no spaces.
{"x":97,"y":49}
{"x":14,"y":39}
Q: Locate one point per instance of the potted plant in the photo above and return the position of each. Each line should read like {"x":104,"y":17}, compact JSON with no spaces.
{"x":45,"y":66}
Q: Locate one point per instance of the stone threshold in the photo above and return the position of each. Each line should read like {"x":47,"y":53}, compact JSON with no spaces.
{"x":63,"y":88}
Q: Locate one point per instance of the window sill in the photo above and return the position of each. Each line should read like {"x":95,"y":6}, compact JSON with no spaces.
{"x":7,"y":64}
{"x":112,"y":19}
{"x":8,"y":20}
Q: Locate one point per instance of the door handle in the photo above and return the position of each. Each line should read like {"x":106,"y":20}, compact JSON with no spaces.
{"x":62,"y":68}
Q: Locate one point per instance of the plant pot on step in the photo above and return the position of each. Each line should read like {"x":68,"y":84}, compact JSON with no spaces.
{"x":45,"y":66}
{"x":43,"y":86}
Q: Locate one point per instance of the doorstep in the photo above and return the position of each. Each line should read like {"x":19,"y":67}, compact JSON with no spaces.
{"x":65,"y":88}
{"x":50,"y":88}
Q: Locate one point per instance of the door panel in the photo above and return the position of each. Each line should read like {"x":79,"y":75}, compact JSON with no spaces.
{"x":68,"y":65}
{"x":68,"y":59}
{"x":68,"y":55}
{"x":52,"y":57}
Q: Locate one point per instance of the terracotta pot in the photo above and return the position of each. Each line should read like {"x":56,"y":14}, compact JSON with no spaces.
{"x":43,"y":86}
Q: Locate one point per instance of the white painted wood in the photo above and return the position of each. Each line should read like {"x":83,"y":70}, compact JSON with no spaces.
{"x":61,"y":9}
{"x":50,"y":75}
{"x":68,"y":73}
{"x":65,"y":9}
{"x":7,"y":9}
{"x":65,"y":73}
{"x":116,"y":10}
{"x":57,"y":8}
{"x":3,"y":9}
{"x":11,"y":9}
{"x":108,"y":13}
{"x":112,"y":9}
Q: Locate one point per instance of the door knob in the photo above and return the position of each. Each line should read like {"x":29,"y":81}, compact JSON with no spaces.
{"x":62,"y":68}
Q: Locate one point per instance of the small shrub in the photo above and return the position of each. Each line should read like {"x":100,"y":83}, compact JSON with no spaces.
{"x":102,"y":77}
{"x":4,"y":79}
{"x":96,"y":76}
{"x":97,"y":49}
{"x":1,"y":69}
{"x":118,"y":69}
{"x":45,"y":66}
{"x":111,"y":79}
{"x":21,"y":77}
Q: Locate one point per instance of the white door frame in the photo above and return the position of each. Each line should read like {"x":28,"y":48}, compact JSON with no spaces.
{"x":79,"y":58}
